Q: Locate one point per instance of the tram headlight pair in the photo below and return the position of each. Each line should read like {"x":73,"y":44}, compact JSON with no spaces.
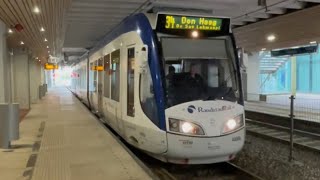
{"x":185,"y":127}
{"x":233,"y":124}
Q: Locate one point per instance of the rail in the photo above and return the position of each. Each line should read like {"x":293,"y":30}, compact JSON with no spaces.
{"x":302,"y":139}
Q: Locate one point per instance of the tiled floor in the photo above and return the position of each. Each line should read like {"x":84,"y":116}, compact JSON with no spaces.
{"x":23,"y":113}
{"x":70,"y":145}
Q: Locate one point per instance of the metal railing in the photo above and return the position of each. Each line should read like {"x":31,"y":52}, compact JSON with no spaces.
{"x":301,"y":112}
{"x":306,"y":107}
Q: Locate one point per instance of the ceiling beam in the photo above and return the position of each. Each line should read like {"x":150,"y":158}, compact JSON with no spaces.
{"x":312,"y":1}
{"x":238,"y":23}
{"x":261,"y":15}
{"x":277,"y":11}
{"x":89,"y":4}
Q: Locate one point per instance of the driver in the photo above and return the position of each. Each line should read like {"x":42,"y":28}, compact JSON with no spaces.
{"x":194,"y":78}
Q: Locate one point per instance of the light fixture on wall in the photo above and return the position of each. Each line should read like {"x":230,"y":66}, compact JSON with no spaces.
{"x":313,"y":42}
{"x":42,"y":29}
{"x":10,"y":31}
{"x":271,"y":37}
{"x":22,"y":43}
{"x":36,"y":10}
{"x":45,"y":39}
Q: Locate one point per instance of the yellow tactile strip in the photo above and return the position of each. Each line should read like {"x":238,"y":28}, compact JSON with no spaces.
{"x":75,"y":147}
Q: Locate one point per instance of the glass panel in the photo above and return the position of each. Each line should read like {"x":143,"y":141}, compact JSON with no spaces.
{"x":196,"y":72}
{"x":115,"y":75}
{"x":99,"y":73}
{"x":95,"y":77}
{"x":130,"y":84}
{"x":91,"y":78}
{"x":107,"y":72}
{"x":147,"y":98}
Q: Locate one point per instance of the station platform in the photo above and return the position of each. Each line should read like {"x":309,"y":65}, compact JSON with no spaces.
{"x":306,"y":106}
{"x":61,"y":140}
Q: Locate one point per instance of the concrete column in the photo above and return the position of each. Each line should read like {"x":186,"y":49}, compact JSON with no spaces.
{"x":43,"y":81}
{"x":253,"y":74}
{"x":4,"y":66}
{"x":21,"y":78}
{"x":48,"y":78}
{"x":35,"y":79}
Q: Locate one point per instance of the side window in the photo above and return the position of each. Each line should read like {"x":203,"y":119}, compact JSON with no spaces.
{"x":115,"y":75}
{"x":147,"y":98}
{"x":91,"y":77}
{"x":130,"y":83}
{"x":213,"y":75}
{"x":107,"y":72}
{"x":95,"y":82}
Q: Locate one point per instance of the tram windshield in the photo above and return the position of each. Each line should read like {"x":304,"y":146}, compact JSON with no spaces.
{"x":199,"y":69}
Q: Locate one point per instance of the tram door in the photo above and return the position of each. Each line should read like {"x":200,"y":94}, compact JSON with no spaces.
{"x":100,"y":86}
{"x":130,"y":82}
{"x":128,"y":108}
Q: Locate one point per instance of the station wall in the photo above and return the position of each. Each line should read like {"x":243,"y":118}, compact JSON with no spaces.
{"x":307,"y":72}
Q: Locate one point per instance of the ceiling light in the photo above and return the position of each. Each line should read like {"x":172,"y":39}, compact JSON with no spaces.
{"x":263,"y":49}
{"x":47,"y":46}
{"x":271,"y":38}
{"x":22,"y":43}
{"x":48,"y":51}
{"x":10,"y":31}
{"x":42,"y":29}
{"x":195,"y":34}
{"x":36,"y":10}
{"x":37,"y":58}
{"x":313,"y":42}
{"x":45,"y":40}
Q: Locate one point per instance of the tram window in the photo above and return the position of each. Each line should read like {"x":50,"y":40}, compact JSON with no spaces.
{"x":95,"y":82}
{"x":107,"y":76}
{"x":130,"y":82}
{"x":147,"y":98}
{"x":91,"y":76}
{"x":115,"y":75}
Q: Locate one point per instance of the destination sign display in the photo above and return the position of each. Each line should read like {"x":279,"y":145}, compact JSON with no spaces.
{"x":188,"y":22}
{"x":295,"y":51}
{"x":50,"y":66}
{"x":183,"y":25}
{"x":97,"y":68}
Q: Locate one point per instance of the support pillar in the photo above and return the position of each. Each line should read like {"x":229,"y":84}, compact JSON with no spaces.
{"x":4,"y":66}
{"x":9,"y":112}
{"x":21,"y":78}
{"x":293,"y":75}
{"x":253,"y":77}
{"x":35,"y":80}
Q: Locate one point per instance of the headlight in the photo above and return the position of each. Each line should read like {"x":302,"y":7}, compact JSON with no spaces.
{"x":233,"y":124}
{"x":185,"y":127}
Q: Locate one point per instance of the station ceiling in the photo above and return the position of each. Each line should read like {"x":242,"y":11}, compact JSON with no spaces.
{"x":74,"y":26}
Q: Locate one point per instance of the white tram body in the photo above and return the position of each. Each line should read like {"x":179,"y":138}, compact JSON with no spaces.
{"x":195,"y":115}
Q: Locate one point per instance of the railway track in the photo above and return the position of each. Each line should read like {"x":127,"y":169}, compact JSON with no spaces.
{"x":302,"y":139}
{"x":221,"y":171}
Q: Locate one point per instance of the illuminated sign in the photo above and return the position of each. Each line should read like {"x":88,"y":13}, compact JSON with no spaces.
{"x":295,"y":51}
{"x":50,"y":66}
{"x":194,"y":23}
{"x":183,"y":25}
{"x":97,"y":68}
